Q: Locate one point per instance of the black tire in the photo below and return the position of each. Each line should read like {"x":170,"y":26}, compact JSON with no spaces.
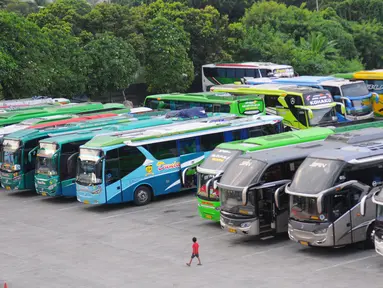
{"x":142,"y":195}
{"x":369,"y":243}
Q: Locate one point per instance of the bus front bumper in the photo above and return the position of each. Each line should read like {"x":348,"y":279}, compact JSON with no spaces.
{"x":358,"y":118}
{"x":90,"y":194}
{"x":46,"y":187}
{"x":244,"y":227}
{"x":11,"y":180}
{"x":209,"y":210}
{"x":307,"y":238}
{"x":378,"y":245}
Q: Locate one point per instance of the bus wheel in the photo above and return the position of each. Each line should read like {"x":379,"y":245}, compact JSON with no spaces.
{"x":142,"y":195}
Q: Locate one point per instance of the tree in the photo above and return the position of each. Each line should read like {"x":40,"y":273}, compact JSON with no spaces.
{"x":168,"y":67}
{"x":112,"y":64}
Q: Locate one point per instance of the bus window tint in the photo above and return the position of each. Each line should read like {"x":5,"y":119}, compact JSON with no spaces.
{"x":230,"y":73}
{"x":265,"y":72}
{"x":236,"y":135}
{"x":112,"y":167}
{"x":209,"y":142}
{"x":210,"y":72}
{"x":239,"y":73}
{"x":255,"y":132}
{"x":251,"y":73}
{"x":188,"y":146}
{"x":157,"y":104}
{"x":163,"y":150}
{"x":221,"y":72}
{"x":130,"y":159}
{"x":272,"y":101}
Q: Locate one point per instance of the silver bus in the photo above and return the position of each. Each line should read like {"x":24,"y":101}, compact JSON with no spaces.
{"x":331,"y":196}
{"x":249,"y":183}
{"x":378,"y":227}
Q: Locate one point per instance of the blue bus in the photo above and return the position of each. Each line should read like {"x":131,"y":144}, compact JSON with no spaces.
{"x":354,"y":95}
{"x":139,"y":165}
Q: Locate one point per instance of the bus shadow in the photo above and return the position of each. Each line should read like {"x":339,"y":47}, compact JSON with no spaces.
{"x":108,"y":207}
{"x":329,"y":252}
{"x":21,"y":194}
{"x":59,"y":200}
{"x":259,"y":241}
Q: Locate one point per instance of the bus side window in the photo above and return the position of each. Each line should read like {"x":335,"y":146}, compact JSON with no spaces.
{"x":236,"y":135}
{"x":255,"y":132}
{"x":370,"y":176}
{"x":29,"y":166}
{"x":163,"y":150}
{"x":68,"y":150}
{"x":230,"y":73}
{"x":187,"y":146}
{"x":112,"y":166}
{"x":239,"y":73}
{"x":210,"y":141}
{"x":130,"y":158}
{"x":291,"y":168}
{"x":216,"y":108}
{"x":273,"y":173}
{"x":251,"y":73}
{"x":272,"y":101}
{"x":221,"y":72}
{"x":265,"y":72}
{"x":225,"y":108}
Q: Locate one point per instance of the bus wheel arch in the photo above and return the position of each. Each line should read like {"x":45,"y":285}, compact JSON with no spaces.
{"x":370,"y":241}
{"x":143,"y":195}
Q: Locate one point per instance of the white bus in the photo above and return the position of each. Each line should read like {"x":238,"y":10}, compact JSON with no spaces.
{"x":218,"y":74}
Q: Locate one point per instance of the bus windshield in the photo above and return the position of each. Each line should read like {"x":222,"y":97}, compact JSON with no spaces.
{"x":89,"y":172}
{"x":355,"y":89}
{"x":315,"y":175}
{"x":231,"y":201}
{"x":202,"y":191}
{"x":305,"y":209}
{"x":323,"y":116}
{"x":46,"y":165}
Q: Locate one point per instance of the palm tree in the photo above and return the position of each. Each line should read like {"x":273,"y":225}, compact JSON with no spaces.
{"x":319,"y":44}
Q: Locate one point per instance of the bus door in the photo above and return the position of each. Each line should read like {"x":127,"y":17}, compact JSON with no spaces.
{"x":280,"y":210}
{"x":190,"y":157}
{"x":340,"y":207}
{"x":112,"y":177}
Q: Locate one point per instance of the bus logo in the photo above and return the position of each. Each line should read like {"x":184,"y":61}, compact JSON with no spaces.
{"x":162,"y":166}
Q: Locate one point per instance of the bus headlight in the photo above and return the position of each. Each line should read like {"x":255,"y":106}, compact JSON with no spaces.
{"x":246,"y":225}
{"x":320,"y":231}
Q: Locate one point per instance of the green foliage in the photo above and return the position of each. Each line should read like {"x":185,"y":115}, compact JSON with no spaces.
{"x":168,"y":67}
{"x":112,"y":64}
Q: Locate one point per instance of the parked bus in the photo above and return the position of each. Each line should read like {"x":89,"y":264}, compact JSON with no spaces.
{"x":218,"y":74}
{"x":9,"y":118}
{"x":57,"y":156}
{"x":300,"y":107}
{"x":250,"y":188}
{"x":18,"y":153}
{"x":33,"y":102}
{"x":378,"y":226}
{"x":211,"y":102}
{"x":335,"y":208}
{"x":353,"y":94}
{"x":139,"y":165}
{"x":215,"y":164}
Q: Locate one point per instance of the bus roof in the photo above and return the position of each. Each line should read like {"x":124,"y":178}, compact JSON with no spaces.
{"x":201,"y":96}
{"x":178,"y":130}
{"x":268,"y":65}
{"x":376,"y":74}
{"x":73,"y":120}
{"x":307,"y":79}
{"x":68,"y":137}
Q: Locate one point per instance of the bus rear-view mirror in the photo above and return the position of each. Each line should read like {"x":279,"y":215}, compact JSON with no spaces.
{"x":363,"y":205}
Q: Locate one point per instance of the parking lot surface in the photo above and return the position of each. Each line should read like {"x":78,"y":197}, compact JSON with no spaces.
{"x":57,"y":243}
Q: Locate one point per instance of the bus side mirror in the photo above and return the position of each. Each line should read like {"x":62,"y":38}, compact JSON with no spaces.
{"x":244,"y":196}
{"x":363,"y":205}
{"x":342,"y":108}
{"x":311,"y":114}
{"x":376,"y":97}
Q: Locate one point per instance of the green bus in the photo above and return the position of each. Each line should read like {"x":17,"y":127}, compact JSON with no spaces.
{"x":213,"y":167}
{"x":9,"y":118}
{"x":19,"y":149}
{"x":211,"y":102}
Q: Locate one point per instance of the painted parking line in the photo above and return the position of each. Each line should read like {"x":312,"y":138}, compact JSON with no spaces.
{"x":268,"y":250}
{"x":347,"y":262}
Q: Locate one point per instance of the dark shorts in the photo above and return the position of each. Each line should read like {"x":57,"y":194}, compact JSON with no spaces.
{"x":195,"y":255}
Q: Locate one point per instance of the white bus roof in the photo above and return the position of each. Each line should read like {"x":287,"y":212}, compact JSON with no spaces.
{"x":268,"y":65}
{"x":338,"y":82}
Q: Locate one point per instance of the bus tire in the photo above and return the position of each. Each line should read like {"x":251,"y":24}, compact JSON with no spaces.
{"x":142,"y":195}
{"x":369,"y":243}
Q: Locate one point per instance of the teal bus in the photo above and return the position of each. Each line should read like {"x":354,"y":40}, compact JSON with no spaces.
{"x":211,"y":102}
{"x":141,"y":164}
{"x":19,"y":149}
{"x":57,"y":156}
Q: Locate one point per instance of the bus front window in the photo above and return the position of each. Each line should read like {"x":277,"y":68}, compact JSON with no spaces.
{"x":11,"y":155}
{"x":89,"y":172}
{"x":202,"y":191}
{"x":46,"y":165}
{"x":231,"y":201}
{"x":305,"y":209}
{"x":323,"y":116}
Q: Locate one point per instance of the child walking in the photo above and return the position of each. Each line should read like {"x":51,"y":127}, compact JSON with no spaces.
{"x":195,"y":252}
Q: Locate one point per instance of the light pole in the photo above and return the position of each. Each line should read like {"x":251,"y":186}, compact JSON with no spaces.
{"x":317,"y":5}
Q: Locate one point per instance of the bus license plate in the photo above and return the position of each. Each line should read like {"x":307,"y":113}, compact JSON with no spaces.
{"x":44,"y":193}
{"x":232,"y":230}
{"x":304,"y":243}
{"x":208,"y":216}
{"x":7,"y":188}
{"x":86,"y":201}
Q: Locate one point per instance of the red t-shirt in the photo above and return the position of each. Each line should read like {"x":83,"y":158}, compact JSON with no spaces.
{"x":195,"y":248}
